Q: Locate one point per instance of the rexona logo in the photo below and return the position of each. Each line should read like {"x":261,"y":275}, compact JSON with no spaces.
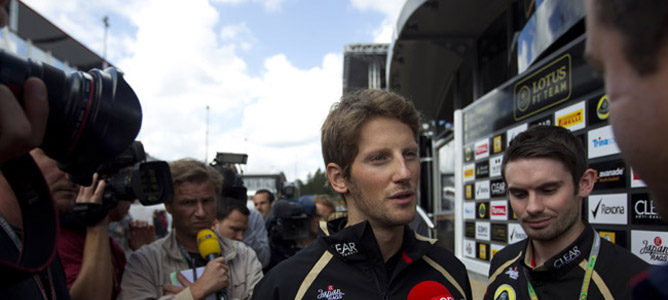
{"x":482,"y":190}
{"x":571,"y":117}
{"x":601,"y":142}
{"x":608,"y":209}
{"x":650,"y":246}
{"x":482,"y":149}
{"x":513,"y":132}
{"x":644,"y":211}
{"x":515,"y":233}
{"x":548,"y":86}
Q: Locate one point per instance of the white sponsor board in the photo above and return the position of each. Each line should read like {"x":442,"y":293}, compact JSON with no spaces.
{"x":512,"y":132}
{"x":469,"y":210}
{"x":469,"y":248}
{"x":483,"y":231}
{"x":601,"y":142}
{"x":608,"y":209}
{"x":481,"y":149}
{"x":482,"y":190}
{"x":515,"y":233}
{"x":572,"y":117}
{"x":635,"y":180}
{"x":498,"y":210}
{"x":651,"y":246}
{"x":469,"y":172}
{"x":495,"y":165}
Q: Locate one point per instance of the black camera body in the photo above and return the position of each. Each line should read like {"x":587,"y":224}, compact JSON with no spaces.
{"x":293,"y":218}
{"x":128,"y":177}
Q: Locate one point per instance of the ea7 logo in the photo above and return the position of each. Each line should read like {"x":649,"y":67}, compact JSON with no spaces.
{"x":346,"y":249}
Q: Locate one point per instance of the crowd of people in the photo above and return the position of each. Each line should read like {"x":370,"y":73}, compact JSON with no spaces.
{"x":218,"y":248}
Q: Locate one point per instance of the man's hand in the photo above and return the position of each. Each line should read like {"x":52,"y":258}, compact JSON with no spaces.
{"x":213,"y":279}
{"x":22,"y":128}
{"x":92,"y":193}
{"x":141,"y":233}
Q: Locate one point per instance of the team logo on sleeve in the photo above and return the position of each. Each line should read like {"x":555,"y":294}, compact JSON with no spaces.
{"x":504,"y":292}
{"x":330,"y":293}
{"x":513,"y":272}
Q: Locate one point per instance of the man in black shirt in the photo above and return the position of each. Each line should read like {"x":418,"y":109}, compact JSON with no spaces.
{"x":545,"y":169}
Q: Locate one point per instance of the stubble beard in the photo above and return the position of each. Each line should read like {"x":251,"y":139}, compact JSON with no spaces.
{"x":375,"y":214}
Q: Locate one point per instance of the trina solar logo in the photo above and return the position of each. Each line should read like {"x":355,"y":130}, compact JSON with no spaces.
{"x":601,"y":142}
{"x":469,"y":210}
{"x":572,"y":117}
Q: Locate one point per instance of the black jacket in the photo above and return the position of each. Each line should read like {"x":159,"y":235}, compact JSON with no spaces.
{"x":561,"y":276}
{"x":347,"y":264}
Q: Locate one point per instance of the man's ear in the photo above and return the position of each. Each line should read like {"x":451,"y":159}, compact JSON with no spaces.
{"x":587,"y":182}
{"x":336,"y":178}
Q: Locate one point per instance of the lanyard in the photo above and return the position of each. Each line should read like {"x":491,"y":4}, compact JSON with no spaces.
{"x":593,"y":254}
{"x":188,"y":260}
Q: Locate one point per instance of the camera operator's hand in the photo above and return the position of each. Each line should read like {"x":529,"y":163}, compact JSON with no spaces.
{"x":95,"y":278}
{"x":141,"y":233}
{"x":22,"y":128}
{"x":213,"y":279}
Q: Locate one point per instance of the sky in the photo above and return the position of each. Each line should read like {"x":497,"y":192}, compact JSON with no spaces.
{"x":268,"y":70}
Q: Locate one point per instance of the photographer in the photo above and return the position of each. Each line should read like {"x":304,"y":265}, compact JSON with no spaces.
{"x":290,"y":228}
{"x":92,"y":260}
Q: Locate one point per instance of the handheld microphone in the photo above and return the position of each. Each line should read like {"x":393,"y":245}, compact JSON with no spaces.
{"x":208,"y":246}
{"x":429,"y":290}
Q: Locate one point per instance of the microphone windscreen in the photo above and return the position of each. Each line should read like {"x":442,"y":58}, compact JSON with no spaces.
{"x":207,"y":243}
{"x":429,"y":290}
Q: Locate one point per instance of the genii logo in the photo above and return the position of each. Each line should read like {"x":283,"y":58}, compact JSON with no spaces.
{"x":571,"y":117}
{"x":601,"y":142}
{"x":482,"y":231}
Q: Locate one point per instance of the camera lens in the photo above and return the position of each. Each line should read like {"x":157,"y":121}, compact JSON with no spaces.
{"x":93,"y":116}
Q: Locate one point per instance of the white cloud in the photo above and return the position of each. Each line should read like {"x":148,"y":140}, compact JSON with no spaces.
{"x":389,"y":8}
{"x":181,"y":58}
{"x":269,"y":5}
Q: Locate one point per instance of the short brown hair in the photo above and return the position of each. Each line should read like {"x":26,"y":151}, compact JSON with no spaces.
{"x":324,"y":200}
{"x":551,"y":142}
{"x":190,"y":170}
{"x":643,"y":25}
{"x":341,"y":129}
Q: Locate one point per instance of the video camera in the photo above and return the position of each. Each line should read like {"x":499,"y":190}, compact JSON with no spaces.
{"x":129,"y":176}
{"x":293,"y":218}
{"x":93,"y":117}
{"x":233,"y":183}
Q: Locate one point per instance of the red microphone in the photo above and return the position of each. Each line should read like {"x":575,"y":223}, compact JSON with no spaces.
{"x":429,"y":290}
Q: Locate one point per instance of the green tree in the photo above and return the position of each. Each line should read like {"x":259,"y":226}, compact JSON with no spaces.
{"x":316,"y":183}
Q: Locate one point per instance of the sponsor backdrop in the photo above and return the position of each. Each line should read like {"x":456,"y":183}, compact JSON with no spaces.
{"x":561,"y":91}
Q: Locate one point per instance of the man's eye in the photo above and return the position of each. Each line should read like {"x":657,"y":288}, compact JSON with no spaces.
{"x":410,"y":154}
{"x":378,"y":157}
{"x":518,"y":194}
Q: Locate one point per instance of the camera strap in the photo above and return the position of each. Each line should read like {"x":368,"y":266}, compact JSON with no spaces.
{"x":40,"y":222}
